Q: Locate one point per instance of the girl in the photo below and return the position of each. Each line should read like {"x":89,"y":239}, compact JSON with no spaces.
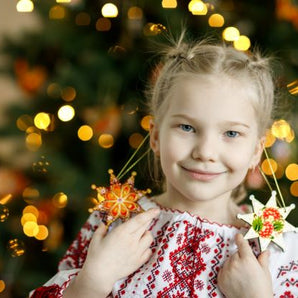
{"x":211,"y":106}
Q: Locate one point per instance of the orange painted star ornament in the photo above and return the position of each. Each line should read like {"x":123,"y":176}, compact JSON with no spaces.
{"x":118,"y":200}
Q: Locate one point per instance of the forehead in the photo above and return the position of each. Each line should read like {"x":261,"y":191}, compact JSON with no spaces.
{"x":216,"y":96}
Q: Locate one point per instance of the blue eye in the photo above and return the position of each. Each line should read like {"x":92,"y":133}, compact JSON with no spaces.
{"x":232,"y":134}
{"x":186,"y":127}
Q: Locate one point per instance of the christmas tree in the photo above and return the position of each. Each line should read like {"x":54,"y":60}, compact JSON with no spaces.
{"x":83,"y":74}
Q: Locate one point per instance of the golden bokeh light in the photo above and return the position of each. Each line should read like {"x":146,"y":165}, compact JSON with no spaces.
{"x":54,"y":90}
{"x":266,"y":166}
{"x":293,"y":87}
{"x":135,"y":140}
{"x":57,"y":12}
{"x":290,"y":137}
{"x":66,"y":113}
{"x":4,"y":213}
{"x":135,"y":13}
{"x":28,"y":217}
{"x":281,"y":129}
{"x":85,"y":133}
{"x":103,"y":24}
{"x":242,"y":43}
{"x":31,"y":209}
{"x":106,"y":141}
{"x":294,"y":189}
{"x":68,"y":93}
{"x":197,"y":7}
{"x":24,"y":121}
{"x":42,"y":120}
{"x":145,"y":122}
{"x":230,"y":34}
{"x":270,"y":139}
{"x":5,"y":199}
{"x":25,"y":6}
{"x":2,"y":285}
{"x":169,"y":3}
{"x":30,"y":194}
{"x":109,"y":10}
{"x":292,"y":171}
{"x":33,"y":141}
{"x":30,"y":228}
{"x":216,"y":20}
{"x":43,"y":232}
{"x":83,"y":19}
{"x":60,"y":200}
{"x":63,"y":1}
{"x":16,"y":247}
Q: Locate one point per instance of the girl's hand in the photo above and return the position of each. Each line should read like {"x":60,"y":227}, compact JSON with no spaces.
{"x":115,"y":255}
{"x":244,"y":275}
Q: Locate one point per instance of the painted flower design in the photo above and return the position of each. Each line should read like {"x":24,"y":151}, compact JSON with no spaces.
{"x":118,"y":200}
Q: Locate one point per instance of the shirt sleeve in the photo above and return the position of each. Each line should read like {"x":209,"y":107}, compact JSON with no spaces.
{"x":72,"y":261}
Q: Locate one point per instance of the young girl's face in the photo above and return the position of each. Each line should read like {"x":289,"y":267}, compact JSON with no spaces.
{"x":208,"y":137}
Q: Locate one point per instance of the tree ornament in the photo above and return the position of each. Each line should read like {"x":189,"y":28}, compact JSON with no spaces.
{"x":118,"y":200}
{"x":268,"y":222}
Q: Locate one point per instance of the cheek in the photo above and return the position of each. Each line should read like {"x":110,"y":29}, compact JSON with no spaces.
{"x":239,"y":159}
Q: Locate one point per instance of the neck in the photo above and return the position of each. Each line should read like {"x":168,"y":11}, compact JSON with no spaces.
{"x":221,"y":210}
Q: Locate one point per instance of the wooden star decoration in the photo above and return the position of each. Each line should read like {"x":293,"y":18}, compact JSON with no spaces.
{"x":118,"y":200}
{"x":268,"y":222}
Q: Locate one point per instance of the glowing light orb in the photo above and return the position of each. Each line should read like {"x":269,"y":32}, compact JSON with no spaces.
{"x":60,"y":200}
{"x":68,"y":94}
{"x":294,"y":189}
{"x":216,"y":20}
{"x":33,"y":141}
{"x":66,"y":113}
{"x":292,"y":171}
{"x":103,"y":24}
{"x":106,"y":141}
{"x":42,"y":120}
{"x":169,"y":3}
{"x":135,"y":13}
{"x":266,"y":166}
{"x":57,"y":12}
{"x":30,"y":228}
{"x":145,"y":122}
{"x":25,"y":6}
{"x":242,"y":43}
{"x":109,"y":10}
{"x":135,"y":140}
{"x":230,"y":34}
{"x":2,"y":286}
{"x":85,"y":133}
{"x":197,"y":7}
{"x":281,"y":129}
{"x":43,"y":232}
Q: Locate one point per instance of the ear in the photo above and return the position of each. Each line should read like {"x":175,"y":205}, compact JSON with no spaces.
{"x":258,"y":152}
{"x":154,"y":138}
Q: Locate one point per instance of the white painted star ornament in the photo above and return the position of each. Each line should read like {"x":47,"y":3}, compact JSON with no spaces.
{"x":268,"y":222}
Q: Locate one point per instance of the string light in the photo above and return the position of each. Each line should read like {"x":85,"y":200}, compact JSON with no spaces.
{"x":242,"y":43}
{"x":43,"y":232}
{"x":197,"y":7}
{"x":135,"y":13}
{"x":16,"y":247}
{"x":42,"y":120}
{"x":60,"y":200}
{"x":169,"y":3}
{"x":103,"y":24}
{"x":57,"y":12}
{"x":5,"y":199}
{"x":292,"y":172}
{"x":106,"y":141}
{"x":231,"y":34}
{"x":293,"y":87}
{"x":109,"y":10}
{"x":216,"y":20}
{"x":4,"y":213}
{"x":66,"y":113}
{"x":25,"y":6}
{"x":85,"y":133}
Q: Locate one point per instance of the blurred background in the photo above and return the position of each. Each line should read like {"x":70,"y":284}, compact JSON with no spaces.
{"x":72,"y":106}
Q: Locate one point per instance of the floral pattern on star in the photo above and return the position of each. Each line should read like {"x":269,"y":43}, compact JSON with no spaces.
{"x":268,"y":222}
{"x":118,"y":200}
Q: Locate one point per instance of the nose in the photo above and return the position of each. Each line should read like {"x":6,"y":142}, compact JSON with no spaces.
{"x":205,"y":148}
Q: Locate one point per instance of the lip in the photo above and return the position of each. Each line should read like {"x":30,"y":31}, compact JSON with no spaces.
{"x":202,"y":175}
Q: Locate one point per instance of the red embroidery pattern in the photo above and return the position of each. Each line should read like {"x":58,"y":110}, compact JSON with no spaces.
{"x":48,"y":292}
{"x":285,"y":270}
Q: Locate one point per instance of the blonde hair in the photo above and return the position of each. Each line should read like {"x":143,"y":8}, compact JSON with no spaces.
{"x":209,"y":58}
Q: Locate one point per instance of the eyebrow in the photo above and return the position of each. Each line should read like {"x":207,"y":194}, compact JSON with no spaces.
{"x":232,"y":123}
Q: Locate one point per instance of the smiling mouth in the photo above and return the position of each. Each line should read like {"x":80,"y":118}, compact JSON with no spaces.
{"x":202,"y":175}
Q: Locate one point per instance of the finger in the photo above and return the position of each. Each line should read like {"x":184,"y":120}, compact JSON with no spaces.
{"x":100,"y":231}
{"x":139,"y":223}
{"x":146,"y":256}
{"x":263,"y":259}
{"x":243,"y":247}
{"x":146,"y":240}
